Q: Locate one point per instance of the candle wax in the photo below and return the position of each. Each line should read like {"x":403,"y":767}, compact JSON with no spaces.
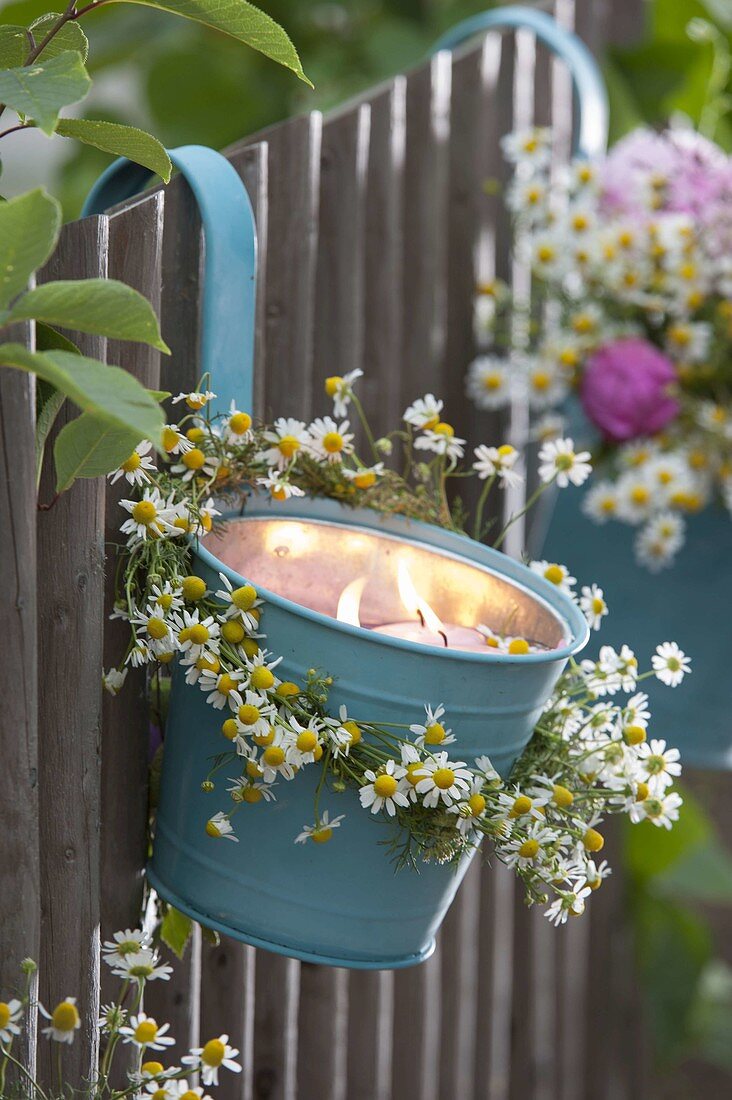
{"x":458,"y":637}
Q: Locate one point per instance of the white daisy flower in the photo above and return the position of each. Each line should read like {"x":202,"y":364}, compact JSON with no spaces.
{"x":488,"y":382}
{"x":340,"y":388}
{"x":471,"y":808}
{"x":150,"y":517}
{"x":670,"y":664}
{"x":111,"y":1018}
{"x":528,"y":850}
{"x":242,"y":602}
{"x":592,"y":603}
{"x":196,"y":637}
{"x":135,"y":469}
{"x":209,"y":1059}
{"x":424,"y":412}
{"x":432,"y":732}
{"x":600,"y":502}
{"x":274,"y":759}
{"x":113,"y":680}
{"x":306,"y":742}
{"x":122,"y":944}
{"x":441,"y":441}
{"x":652,"y":550}
{"x":365,"y":476}
{"x":322,"y":830}
{"x":279,"y":488}
{"x":660,"y":766}
{"x":445,"y":780}
{"x":384,"y":790}
{"x":142,"y":966}
{"x":527,"y":197}
{"x":498,"y":462}
{"x":556,"y":574}
{"x":219,"y":827}
{"x":530,"y":146}
{"x":65,"y":1021}
{"x":195,"y":400}
{"x":543,"y":382}
{"x":659,"y":810}
{"x":566,"y":904}
{"x":144,"y":1033}
{"x":139,"y":655}
{"x":196,"y":463}
{"x":560,"y":463}
{"x":330,"y":441}
{"x":689,"y":340}
{"x":217,"y":686}
{"x":287,"y":436}
{"x":486,"y":769}
{"x":174,"y":441}
{"x":547,"y":254}
{"x":496,"y":641}
{"x":166,"y":597}
{"x":255,"y":713}
{"x":238,"y":427}
{"x":11,"y":1013}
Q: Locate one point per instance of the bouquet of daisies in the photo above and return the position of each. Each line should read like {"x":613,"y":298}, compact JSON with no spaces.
{"x":632,"y":312}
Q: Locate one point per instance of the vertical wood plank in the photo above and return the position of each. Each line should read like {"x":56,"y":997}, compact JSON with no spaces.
{"x":70,"y":625}
{"x":383,"y":258}
{"x":178,"y":1001}
{"x":370,"y":1023}
{"x":424,"y":296}
{"x":227,"y":1007}
{"x":135,"y":244}
{"x":20,"y":900}
{"x":322,"y":1032}
{"x":417,"y":1020}
{"x":495,"y":960}
{"x":179,"y":303}
{"x":276,"y":1028}
{"x":460,"y":989}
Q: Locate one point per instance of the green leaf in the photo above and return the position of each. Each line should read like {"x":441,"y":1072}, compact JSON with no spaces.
{"x":49,"y":400}
{"x":109,"y":392}
{"x":14,"y":46}
{"x":70,"y":37}
{"x":89,"y":446}
{"x":175,"y":930}
{"x":242,"y":21}
{"x":29,"y":227}
{"x":105,"y":307}
{"x":123,"y":141}
{"x":40,"y":90}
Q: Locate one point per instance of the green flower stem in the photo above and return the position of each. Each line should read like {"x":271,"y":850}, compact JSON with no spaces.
{"x":365,"y":425}
{"x":32,"y":1082}
{"x":478,"y":526}
{"x":522,"y":512}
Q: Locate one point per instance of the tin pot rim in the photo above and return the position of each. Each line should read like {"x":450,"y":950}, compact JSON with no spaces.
{"x":335,"y":513}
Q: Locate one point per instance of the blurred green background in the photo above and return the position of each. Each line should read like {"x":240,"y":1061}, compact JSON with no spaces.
{"x":188,"y":84}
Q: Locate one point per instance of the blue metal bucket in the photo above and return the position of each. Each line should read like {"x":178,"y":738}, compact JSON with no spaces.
{"x":689,"y":603}
{"x":343,"y":903}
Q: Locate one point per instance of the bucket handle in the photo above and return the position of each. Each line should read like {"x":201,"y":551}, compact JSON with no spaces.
{"x":590,"y":95}
{"x":230,"y":262}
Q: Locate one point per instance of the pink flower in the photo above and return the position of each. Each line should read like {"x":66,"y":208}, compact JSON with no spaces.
{"x":625,"y":389}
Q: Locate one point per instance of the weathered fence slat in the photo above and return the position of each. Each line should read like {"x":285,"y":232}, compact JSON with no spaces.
{"x":227,"y":1007}
{"x":370,"y":1024}
{"x":20,"y":908}
{"x":274,"y":1061}
{"x":70,"y":631}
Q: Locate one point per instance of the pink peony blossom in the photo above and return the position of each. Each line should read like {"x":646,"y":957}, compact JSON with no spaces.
{"x":625,"y":389}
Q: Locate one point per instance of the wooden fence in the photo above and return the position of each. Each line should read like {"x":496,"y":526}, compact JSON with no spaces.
{"x":374,"y":227}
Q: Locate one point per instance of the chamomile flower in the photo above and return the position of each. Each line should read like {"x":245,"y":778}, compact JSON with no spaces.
{"x":340,"y":388}
{"x":150,"y":517}
{"x":592,"y":603}
{"x":322,"y":831}
{"x":305,"y":745}
{"x":166,"y":597}
{"x":567,"y":903}
{"x":111,"y":1018}
{"x":196,"y":464}
{"x":211,"y":1057}
{"x":113,"y":680}
{"x":196,"y":636}
{"x":530,"y":146}
{"x":219,"y":827}
{"x":364,"y":477}
{"x":154,"y":630}
{"x":561,"y":464}
{"x":547,"y":255}
{"x":600,"y":502}
{"x":385,"y":789}
{"x":65,"y":1021}
{"x":174,"y":441}
{"x":527,"y":197}
{"x":470,"y":809}
{"x":274,"y":759}
{"x":543,"y":382}
{"x":688,"y":340}
{"x":659,"y":765}
{"x":670,"y":664}
{"x":279,"y":488}
{"x":432,"y":732}
{"x":181,"y":1090}
{"x":238,"y":426}
{"x":637,"y":496}
{"x":485,"y":766}
{"x":329,"y":440}
{"x":135,"y":469}
{"x":195,"y":400}
{"x":556,"y":574}
{"x":241,"y":603}
{"x":122,"y":944}
{"x":528,"y":849}
{"x":145,"y":1033}
{"x":254,"y":712}
{"x":488,"y":382}
{"x":11,"y":1012}
{"x":498,"y":462}
{"x":286,"y":437}
{"x":652,"y":550}
{"x":217,"y":686}
{"x":424,"y":412}
{"x":662,"y":811}
{"x":142,"y":966}
{"x":441,"y":440}
{"x":445,"y":780}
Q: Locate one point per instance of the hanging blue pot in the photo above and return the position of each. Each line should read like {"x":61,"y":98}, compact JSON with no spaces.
{"x":689,"y":603}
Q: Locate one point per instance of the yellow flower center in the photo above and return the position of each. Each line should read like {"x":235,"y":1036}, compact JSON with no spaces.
{"x":385,"y":785}
{"x":287,"y":689}
{"x":244,"y":597}
{"x":250,"y":647}
{"x":443,"y":778}
{"x":593,"y":841}
{"x":561,"y":796}
{"x":165,"y":601}
{"x":443,"y":428}
{"x":332,"y":442}
{"x":354,"y":730}
{"x":152,"y":1068}
{"x":213,"y":1053}
{"x":642,"y":792}
{"x":554,"y":574}
{"x":306,"y":741}
{"x":232,"y":632}
{"x":634,"y":735}
{"x":171,"y":439}
{"x":521,"y":806}
{"x":157,"y":628}
{"x":226,"y":684}
{"x":230,"y":729}
{"x":212,"y":829}
{"x":253,"y":770}
{"x":240,"y":423}
{"x":262,"y":678}
{"x":199,"y":634}
{"x":545,"y":253}
{"x":65,"y":1016}
{"x":252,"y":795}
{"x":415,"y":773}
{"x":248,"y":714}
{"x":193,"y":588}
{"x":365,"y":479}
{"x":4,"y":1015}
{"x":263,"y":739}
{"x":132,"y":463}
{"x":144,"y":512}
{"x":193,"y":459}
{"x":195,"y":401}
{"x":541,"y":380}
{"x":146,"y":1031}
{"x":162,"y":1094}
{"x":518,"y":646}
{"x":288,"y":445}
{"x":477,"y":804}
{"x":529,"y":848}
{"x":640,"y":495}
{"x":274,"y":756}
{"x":332,"y":384}
{"x":565,"y":461}
{"x":598,"y":605}
{"x":434,"y":734}
{"x":321,"y":836}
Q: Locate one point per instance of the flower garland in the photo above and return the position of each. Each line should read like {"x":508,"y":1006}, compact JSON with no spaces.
{"x":631,"y":256}
{"x":589,"y":756}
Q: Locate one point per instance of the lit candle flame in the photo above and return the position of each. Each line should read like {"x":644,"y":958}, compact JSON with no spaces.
{"x":349,"y":602}
{"x":414,"y":603}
